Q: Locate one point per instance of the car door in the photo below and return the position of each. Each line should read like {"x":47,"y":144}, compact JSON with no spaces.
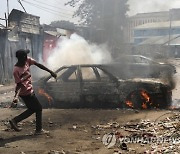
{"x":98,"y":87}
{"x":67,"y":86}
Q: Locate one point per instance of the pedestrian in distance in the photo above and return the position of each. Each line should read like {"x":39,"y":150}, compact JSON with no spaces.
{"x":24,"y":90}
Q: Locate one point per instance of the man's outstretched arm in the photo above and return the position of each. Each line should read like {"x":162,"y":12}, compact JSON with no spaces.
{"x":46,"y":69}
{"x":17,"y":91}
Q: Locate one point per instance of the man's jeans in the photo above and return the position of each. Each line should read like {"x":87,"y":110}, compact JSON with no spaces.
{"x":33,"y":106}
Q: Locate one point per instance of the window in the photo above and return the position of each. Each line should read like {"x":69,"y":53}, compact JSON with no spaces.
{"x":73,"y":76}
{"x":88,"y":73}
{"x":103,"y":75}
{"x":52,"y":79}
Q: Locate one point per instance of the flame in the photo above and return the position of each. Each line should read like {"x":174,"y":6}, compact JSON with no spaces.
{"x":43,"y":93}
{"x":144,"y":106}
{"x":146,"y":98}
{"x":145,"y":95}
{"x":130,"y":104}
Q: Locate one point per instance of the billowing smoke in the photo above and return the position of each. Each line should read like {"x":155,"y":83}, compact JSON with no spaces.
{"x":71,"y":51}
{"x":151,"y":6}
{"x":76,"y":50}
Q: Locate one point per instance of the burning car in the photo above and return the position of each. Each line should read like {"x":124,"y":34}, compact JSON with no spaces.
{"x":130,"y":66}
{"x":92,"y":86}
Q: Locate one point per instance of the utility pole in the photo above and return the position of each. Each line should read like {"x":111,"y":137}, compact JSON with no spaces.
{"x":102,"y":21}
{"x":6,"y":19}
{"x":115,"y":24}
{"x":170,"y":26}
{"x":8,"y":8}
{"x":7,"y":15}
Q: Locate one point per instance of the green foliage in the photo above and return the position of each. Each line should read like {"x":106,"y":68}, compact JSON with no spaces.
{"x":91,"y":10}
{"x":63,"y":24}
{"x":106,"y":15}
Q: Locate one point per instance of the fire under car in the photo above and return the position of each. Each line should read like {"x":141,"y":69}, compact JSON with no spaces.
{"x":92,"y":86}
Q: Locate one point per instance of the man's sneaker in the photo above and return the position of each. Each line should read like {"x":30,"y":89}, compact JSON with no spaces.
{"x":41,"y":132}
{"x":14,"y":125}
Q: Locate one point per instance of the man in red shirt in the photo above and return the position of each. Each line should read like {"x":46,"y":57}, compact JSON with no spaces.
{"x":24,"y":89}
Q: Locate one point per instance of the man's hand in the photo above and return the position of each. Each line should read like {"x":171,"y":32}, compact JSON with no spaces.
{"x":53,"y":74}
{"x":15,"y":100}
{"x":14,"y":103}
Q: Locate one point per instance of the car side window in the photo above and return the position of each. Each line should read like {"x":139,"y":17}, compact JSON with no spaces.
{"x":140,"y":60}
{"x":52,"y":79}
{"x":144,"y":60}
{"x":73,"y":76}
{"x":88,"y":74}
{"x":137,"y":60}
{"x":103,"y":75}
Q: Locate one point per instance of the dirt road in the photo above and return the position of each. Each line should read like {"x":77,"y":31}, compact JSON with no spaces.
{"x":71,"y":131}
{"x":81,"y":131}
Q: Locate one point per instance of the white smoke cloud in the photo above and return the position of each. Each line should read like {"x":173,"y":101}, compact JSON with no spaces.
{"x":144,"y":6}
{"x":77,"y":50}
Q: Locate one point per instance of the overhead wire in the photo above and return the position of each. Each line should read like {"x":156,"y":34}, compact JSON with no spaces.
{"x":52,"y":6}
{"x":44,"y":9}
{"x":48,"y":9}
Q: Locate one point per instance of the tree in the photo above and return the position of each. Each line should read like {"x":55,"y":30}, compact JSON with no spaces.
{"x":106,"y":15}
{"x":63,"y":24}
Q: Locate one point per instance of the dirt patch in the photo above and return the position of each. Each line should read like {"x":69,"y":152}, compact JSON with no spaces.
{"x":71,"y":131}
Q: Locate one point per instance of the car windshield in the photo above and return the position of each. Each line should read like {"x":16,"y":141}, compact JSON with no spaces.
{"x":64,"y":74}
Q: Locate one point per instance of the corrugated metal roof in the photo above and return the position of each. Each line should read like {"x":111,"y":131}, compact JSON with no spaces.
{"x":150,"y":14}
{"x":53,"y":33}
{"x":151,"y":40}
{"x":175,"y":41}
{"x":163,"y":40}
{"x":158,"y":25}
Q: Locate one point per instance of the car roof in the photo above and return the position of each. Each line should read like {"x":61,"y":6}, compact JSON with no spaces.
{"x":141,"y":56}
{"x":149,"y":80}
{"x":134,"y":56}
{"x":85,"y":65}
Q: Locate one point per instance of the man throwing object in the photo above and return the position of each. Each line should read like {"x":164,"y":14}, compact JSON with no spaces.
{"x":24,"y":89}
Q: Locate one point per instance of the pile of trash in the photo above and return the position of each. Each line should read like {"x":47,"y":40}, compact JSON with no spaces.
{"x":162,"y":135}
{"x":159,"y":136}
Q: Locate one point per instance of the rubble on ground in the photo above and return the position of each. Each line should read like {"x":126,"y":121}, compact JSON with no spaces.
{"x":158,"y":136}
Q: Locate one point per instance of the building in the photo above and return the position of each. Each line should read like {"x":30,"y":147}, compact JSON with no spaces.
{"x":152,"y":17}
{"x":23,"y":32}
{"x":156,"y":32}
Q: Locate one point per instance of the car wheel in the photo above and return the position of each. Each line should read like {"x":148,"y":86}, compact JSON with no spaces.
{"x":139,"y":99}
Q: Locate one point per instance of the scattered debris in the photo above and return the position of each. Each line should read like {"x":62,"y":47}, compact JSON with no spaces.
{"x":162,"y":136}
{"x":56,"y":152}
{"x":107,"y":126}
{"x":123,"y":146}
{"x":74,"y":126}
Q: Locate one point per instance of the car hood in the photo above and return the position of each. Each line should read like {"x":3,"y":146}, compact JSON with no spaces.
{"x":146,"y":80}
